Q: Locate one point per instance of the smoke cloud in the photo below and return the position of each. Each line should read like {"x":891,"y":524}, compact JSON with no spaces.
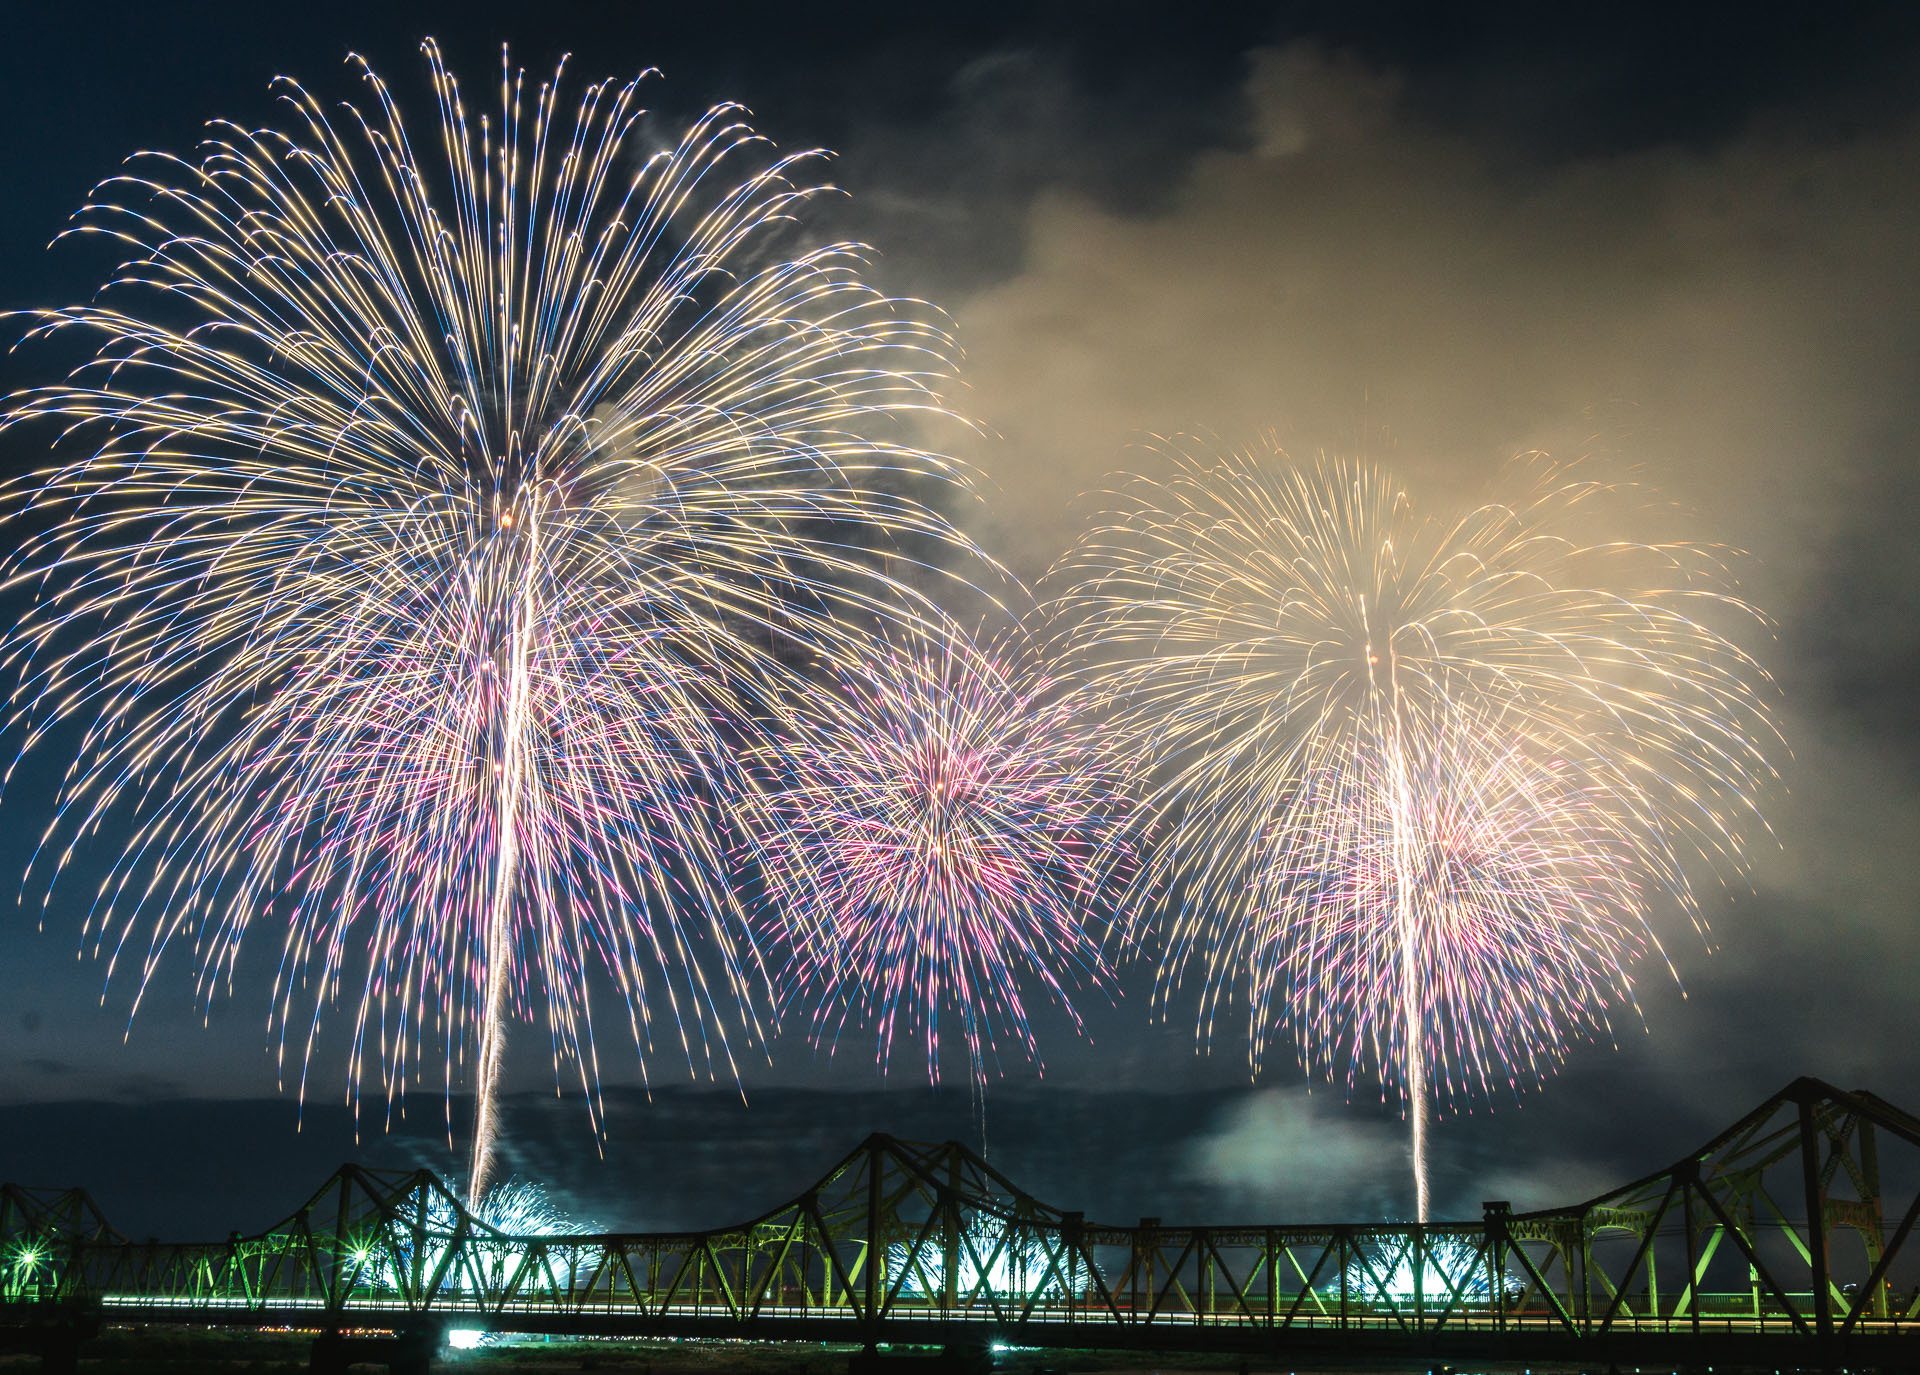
{"x":1358,"y":279}
{"x":1733,"y":319}
{"x":1296,"y":1154}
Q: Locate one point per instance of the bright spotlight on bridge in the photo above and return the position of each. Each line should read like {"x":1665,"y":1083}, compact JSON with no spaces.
{"x":22,"y":1269}
{"x":465,"y":1338}
{"x":1386,"y":1271}
{"x":991,"y":1256}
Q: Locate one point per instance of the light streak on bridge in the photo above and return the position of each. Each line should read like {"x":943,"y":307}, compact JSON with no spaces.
{"x":1708,"y":1261}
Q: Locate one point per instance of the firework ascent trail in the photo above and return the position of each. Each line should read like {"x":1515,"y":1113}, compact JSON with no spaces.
{"x":452,"y":520}
{"x":1424,"y":784}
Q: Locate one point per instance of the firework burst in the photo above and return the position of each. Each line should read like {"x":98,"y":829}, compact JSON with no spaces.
{"x":1425,"y":782}
{"x":449,"y":524}
{"x":938,"y":842}
{"x":484,"y":1255}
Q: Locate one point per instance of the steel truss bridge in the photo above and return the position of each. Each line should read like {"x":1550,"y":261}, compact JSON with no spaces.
{"x":1777,"y":1244}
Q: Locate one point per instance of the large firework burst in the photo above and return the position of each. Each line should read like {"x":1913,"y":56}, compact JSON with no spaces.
{"x":448,"y":523}
{"x":1425,"y":781}
{"x":939,"y":841}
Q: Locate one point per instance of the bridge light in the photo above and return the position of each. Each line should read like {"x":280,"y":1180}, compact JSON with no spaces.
{"x":465,"y":1338}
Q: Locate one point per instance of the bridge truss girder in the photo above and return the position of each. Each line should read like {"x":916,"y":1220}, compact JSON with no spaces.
{"x":901,"y":1242}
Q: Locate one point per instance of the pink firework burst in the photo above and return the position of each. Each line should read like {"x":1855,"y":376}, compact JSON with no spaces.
{"x":944,"y":845}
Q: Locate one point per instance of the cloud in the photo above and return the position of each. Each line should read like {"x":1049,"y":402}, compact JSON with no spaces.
{"x":944,"y":190}
{"x":1299,"y":1155}
{"x":145,"y":1088}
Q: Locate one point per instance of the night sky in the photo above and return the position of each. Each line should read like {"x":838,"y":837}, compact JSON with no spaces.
{"x":1680,"y":238}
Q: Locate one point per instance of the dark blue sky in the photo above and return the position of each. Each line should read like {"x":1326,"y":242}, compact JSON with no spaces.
{"x":1676,"y":232}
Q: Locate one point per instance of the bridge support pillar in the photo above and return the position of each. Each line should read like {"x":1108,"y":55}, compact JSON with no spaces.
{"x":956,"y":1358}
{"x":60,"y":1352}
{"x":406,"y":1353}
{"x":966,"y":1358}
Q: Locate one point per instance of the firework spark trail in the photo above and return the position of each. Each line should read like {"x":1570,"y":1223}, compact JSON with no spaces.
{"x":1424,"y":784}
{"x":524,"y":1208}
{"x":1450,"y":1266}
{"x":1466,"y":886}
{"x":946,"y":830}
{"x":487,"y":1255}
{"x":447,"y":534}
